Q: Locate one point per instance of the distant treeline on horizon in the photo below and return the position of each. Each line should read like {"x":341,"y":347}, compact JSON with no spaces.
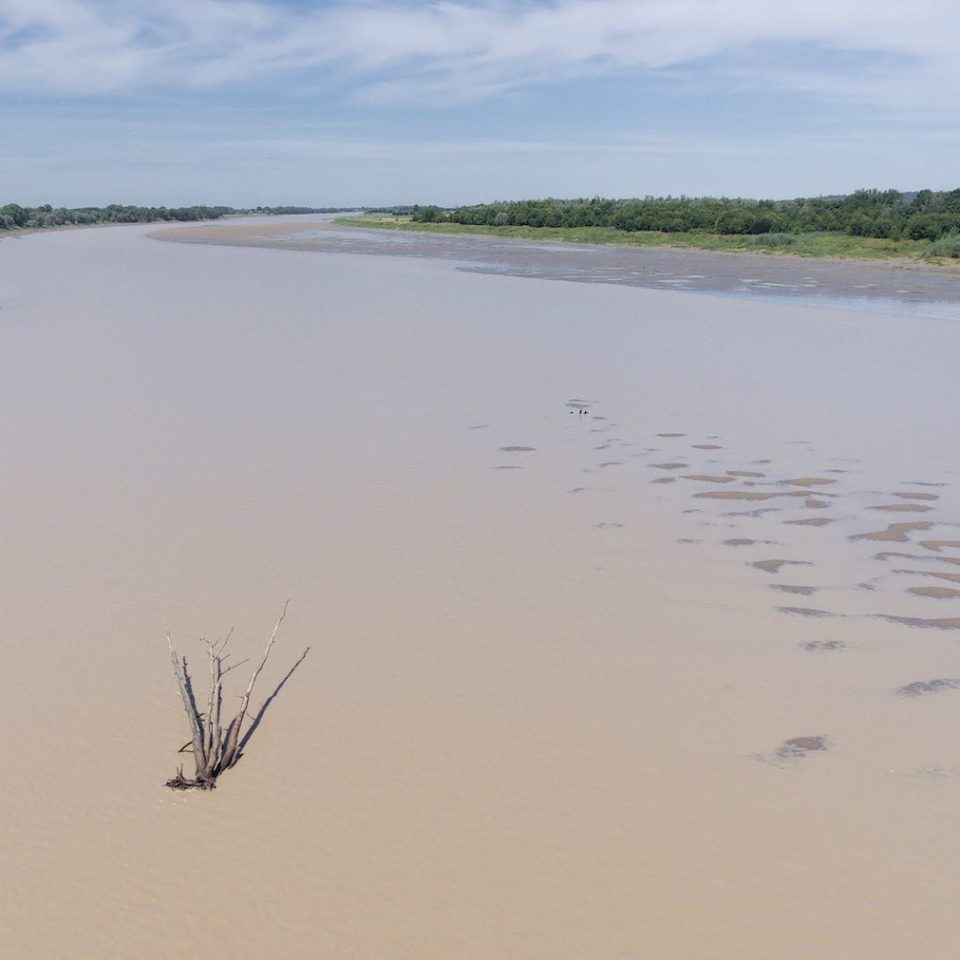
{"x":921,"y":215}
{"x":14,"y":217}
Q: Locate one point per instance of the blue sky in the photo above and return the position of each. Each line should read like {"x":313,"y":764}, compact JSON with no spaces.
{"x":249,"y":102}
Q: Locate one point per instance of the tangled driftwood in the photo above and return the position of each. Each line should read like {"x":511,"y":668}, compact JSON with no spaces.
{"x":215,"y":748}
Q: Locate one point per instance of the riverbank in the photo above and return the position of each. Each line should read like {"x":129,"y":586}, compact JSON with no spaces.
{"x":857,"y":284}
{"x":894,"y":253}
{"x":13,"y":233}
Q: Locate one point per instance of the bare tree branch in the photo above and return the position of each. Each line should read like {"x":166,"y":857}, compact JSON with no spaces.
{"x":189,"y":705}
{"x":266,"y":703}
{"x":213,"y":750}
{"x":230,"y":756}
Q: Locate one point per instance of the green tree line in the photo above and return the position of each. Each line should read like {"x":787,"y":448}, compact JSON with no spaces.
{"x":923,"y":215}
{"x":13,"y":216}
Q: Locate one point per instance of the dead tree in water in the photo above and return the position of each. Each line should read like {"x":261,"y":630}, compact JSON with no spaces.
{"x":214,"y":747}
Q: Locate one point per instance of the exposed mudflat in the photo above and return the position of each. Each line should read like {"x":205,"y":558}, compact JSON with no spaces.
{"x":851,"y":283}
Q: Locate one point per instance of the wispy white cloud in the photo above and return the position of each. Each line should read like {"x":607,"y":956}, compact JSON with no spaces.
{"x":446,"y":50}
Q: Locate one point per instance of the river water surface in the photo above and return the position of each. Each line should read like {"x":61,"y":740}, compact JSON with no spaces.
{"x":623,"y":604}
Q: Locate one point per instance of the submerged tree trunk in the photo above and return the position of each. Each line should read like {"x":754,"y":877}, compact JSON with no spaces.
{"x":214,"y":748}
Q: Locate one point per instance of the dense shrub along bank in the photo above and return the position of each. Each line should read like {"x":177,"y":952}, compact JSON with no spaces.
{"x":13,"y":216}
{"x":924,"y":215}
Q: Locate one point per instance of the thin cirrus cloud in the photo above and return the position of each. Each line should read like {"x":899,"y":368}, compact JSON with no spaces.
{"x":884,"y":52}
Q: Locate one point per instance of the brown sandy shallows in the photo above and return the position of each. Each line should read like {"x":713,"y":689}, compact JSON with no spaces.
{"x":938,"y":545}
{"x":915,"y":556}
{"x":759,"y":512}
{"x":745,"y":473}
{"x":707,"y":446}
{"x":773,"y":566}
{"x":809,"y":481}
{"x":917,"y":496}
{"x":671,"y":434}
{"x":937,"y":623}
{"x":949,"y":577}
{"x":792,"y":751}
{"x":935,"y":593}
{"x":920,"y":688}
{"x":735,"y":495}
{"x":807,"y":612}
{"x":896,"y":532}
{"x":707,"y":478}
{"x":664,"y":480}
{"x":747,"y":494}
{"x":670,"y":465}
{"x":743,"y":542}
{"x":814,"y":504}
{"x":903,"y":508}
{"x":812,"y":522}
{"x":800,"y":746}
{"x":793,"y":588}
{"x":240,"y":234}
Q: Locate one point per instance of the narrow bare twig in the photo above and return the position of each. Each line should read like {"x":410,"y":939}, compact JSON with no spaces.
{"x":210,"y":728}
{"x":230,"y":754}
{"x":233,"y":666}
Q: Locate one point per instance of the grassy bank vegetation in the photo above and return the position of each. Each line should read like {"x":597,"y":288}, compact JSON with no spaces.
{"x":822,"y":244}
{"x":869,"y":224}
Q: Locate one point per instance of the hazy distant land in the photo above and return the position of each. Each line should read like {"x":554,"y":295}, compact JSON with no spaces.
{"x":14,"y":217}
{"x":923,"y":225}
